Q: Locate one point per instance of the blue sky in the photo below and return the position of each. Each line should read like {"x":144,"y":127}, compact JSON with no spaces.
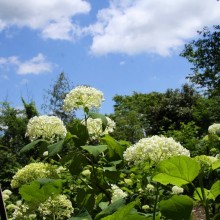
{"x":115,"y":46}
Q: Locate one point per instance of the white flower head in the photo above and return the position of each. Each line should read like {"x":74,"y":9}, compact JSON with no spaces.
{"x":117,"y":193}
{"x":59,"y":206}
{"x":155,"y":148}
{"x":95,"y":127}
{"x":177,"y":190}
{"x":83,"y":97}
{"x":214,"y":129}
{"x":50,"y":128}
{"x":32,"y":172}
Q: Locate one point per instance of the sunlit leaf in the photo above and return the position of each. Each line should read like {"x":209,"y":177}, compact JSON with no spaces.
{"x":178,"y":170}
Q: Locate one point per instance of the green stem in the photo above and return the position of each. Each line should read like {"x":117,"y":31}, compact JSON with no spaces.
{"x":156,"y":201}
{"x":205,"y":201}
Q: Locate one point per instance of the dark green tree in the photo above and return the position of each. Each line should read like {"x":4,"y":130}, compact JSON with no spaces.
{"x":54,"y":98}
{"x":204,"y":54}
{"x":142,"y":115}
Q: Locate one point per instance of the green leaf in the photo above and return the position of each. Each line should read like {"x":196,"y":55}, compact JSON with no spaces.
{"x":85,"y":199}
{"x":110,"y":209}
{"x":216,"y":165}
{"x":126,"y":212}
{"x":178,"y":170}
{"x":95,"y":150}
{"x":54,"y":149}
{"x":115,"y":149}
{"x":38,"y":191}
{"x":177,"y":207}
{"x":215,"y":189}
{"x":79,"y":132}
{"x":78,"y":162}
{"x":95,"y":115}
{"x":31,"y":145}
{"x":84,"y":216}
{"x":208,"y":194}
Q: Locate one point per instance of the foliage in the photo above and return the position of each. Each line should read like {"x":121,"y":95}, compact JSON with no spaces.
{"x":204,"y":54}
{"x":92,"y":179}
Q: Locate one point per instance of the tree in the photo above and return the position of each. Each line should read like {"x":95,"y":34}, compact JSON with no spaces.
{"x":204,"y":54}
{"x":54,"y":98}
{"x":142,"y":115}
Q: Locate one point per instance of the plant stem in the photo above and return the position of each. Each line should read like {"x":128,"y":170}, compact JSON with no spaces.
{"x":205,"y":201}
{"x":156,"y":201}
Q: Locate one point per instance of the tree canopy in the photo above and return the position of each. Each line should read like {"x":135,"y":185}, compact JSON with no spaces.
{"x":204,"y":54}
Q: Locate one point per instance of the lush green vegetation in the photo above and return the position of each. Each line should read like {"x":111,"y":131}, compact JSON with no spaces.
{"x":155,"y":157}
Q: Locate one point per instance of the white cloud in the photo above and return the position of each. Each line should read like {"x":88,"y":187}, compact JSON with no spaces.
{"x":152,"y":26}
{"x":36,"y":65}
{"x":43,"y":15}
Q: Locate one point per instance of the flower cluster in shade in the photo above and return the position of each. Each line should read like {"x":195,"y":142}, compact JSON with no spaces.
{"x":117,"y":193}
{"x":32,"y":172}
{"x":59,"y":206}
{"x":84,"y":97}
{"x":49,"y":128}
{"x":95,"y":127}
{"x":155,"y":149}
{"x":214,"y":129}
{"x":177,"y":190}
{"x":206,"y":161}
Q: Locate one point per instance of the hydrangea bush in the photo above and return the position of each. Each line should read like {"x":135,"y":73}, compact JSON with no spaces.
{"x":84,"y":173}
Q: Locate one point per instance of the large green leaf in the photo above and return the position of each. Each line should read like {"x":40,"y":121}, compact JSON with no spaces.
{"x":215,"y":189}
{"x":115,"y":149}
{"x":95,"y":150}
{"x":31,"y":145}
{"x":54,"y":149}
{"x":126,"y":212}
{"x":178,"y":170}
{"x":38,"y":191}
{"x":79,"y":132}
{"x":177,"y":207}
{"x":198,"y":194}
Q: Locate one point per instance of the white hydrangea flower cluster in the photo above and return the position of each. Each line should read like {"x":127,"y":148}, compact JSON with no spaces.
{"x":177,"y":190}
{"x":21,"y":212}
{"x":59,"y":206}
{"x":6,"y":194}
{"x":155,"y":148}
{"x":32,"y":172}
{"x":50,"y":128}
{"x":94,"y":127}
{"x":83,"y":97}
{"x":214,"y":129}
{"x":117,"y":193}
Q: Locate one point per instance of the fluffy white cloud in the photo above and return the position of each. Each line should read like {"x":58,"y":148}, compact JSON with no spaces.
{"x":36,"y":65}
{"x":43,"y":15}
{"x":150,"y":26}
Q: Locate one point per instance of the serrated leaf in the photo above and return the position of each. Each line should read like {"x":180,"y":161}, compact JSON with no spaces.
{"x":215,"y":189}
{"x":177,"y":207}
{"x":95,"y":150}
{"x":84,"y":216}
{"x":178,"y":170}
{"x":54,"y":149}
{"x":31,"y":145}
